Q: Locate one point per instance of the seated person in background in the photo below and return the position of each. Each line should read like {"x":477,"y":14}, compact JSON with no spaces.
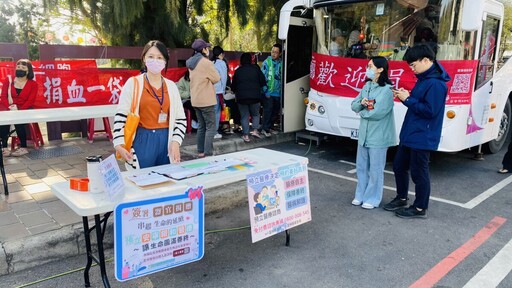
{"x":337,"y":45}
{"x":425,"y":35}
{"x":18,"y":94}
{"x":184,"y":88}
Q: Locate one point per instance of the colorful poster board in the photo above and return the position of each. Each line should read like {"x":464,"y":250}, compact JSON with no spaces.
{"x":278,"y":199}
{"x":157,"y":234}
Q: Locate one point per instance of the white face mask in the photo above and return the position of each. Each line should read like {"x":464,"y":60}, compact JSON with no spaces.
{"x":155,"y":66}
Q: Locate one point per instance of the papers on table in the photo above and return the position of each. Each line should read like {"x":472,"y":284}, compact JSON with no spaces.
{"x":179,"y":172}
{"x":165,"y":173}
{"x":148,"y":179}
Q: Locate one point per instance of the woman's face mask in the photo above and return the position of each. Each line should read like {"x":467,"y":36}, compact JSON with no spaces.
{"x":370,"y":73}
{"x":155,"y":66}
{"x":21,"y":73}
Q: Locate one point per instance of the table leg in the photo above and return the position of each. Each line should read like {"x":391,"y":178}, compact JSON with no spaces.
{"x":2,"y":171}
{"x":101,"y":253}
{"x":87,"y":234}
{"x":100,"y":233}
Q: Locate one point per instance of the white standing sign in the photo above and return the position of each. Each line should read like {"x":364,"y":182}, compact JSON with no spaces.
{"x":278,"y":199}
{"x":111,"y":174}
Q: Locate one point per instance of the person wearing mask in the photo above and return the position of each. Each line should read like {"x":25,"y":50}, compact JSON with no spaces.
{"x":376,"y":132}
{"x":162,"y":122}
{"x":203,"y":76}
{"x":421,"y":131}
{"x":18,"y":94}
{"x":247,"y":84}
{"x":272,"y":102}
{"x":220,"y":87}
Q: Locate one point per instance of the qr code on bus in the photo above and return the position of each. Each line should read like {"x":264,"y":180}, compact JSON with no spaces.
{"x":461,"y":83}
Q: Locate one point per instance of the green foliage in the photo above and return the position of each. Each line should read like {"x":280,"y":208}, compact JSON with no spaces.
{"x":178,"y":22}
{"x":506,"y":33}
{"x":7,"y":30}
{"x":30,"y":19}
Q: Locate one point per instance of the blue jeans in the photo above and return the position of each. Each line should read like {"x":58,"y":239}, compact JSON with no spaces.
{"x":206,"y":129}
{"x":370,"y":164}
{"x":151,"y":147}
{"x":247,"y":110}
{"x":417,"y":162}
{"x":217,"y":112}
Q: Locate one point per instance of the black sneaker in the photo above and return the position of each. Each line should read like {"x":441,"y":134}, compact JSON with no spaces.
{"x":395,"y":204}
{"x":411,"y":212}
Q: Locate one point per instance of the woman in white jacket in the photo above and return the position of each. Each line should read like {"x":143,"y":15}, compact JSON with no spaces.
{"x":162,"y":122}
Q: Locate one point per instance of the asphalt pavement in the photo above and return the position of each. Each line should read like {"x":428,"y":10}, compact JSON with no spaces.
{"x":466,"y":241}
{"x":37,"y":228}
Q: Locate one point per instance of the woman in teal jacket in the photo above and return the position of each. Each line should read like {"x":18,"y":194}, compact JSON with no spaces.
{"x":376,"y":133}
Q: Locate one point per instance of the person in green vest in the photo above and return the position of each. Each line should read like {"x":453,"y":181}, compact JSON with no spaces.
{"x":272,"y":101}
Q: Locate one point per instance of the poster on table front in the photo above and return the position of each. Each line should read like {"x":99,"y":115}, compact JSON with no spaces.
{"x":157,"y":234}
{"x":278,"y":199}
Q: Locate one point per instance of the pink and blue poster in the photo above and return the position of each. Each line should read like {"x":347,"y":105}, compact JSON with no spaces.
{"x":157,"y":234}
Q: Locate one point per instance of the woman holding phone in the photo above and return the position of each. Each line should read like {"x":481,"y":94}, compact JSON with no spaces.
{"x":376,"y":133}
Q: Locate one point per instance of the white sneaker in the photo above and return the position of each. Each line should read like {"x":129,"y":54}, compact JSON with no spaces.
{"x":256,"y":134}
{"x":19,"y":152}
{"x":217,"y":136}
{"x":266,"y":133}
{"x":367,"y":206}
{"x":356,"y":202}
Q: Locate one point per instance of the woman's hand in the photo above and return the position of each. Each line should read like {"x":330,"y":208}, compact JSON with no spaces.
{"x":174,"y":152}
{"x":364,"y":102}
{"x":125,"y":154}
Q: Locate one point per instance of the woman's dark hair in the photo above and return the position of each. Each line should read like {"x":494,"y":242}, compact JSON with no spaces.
{"x":160,"y":46}
{"x":245,"y":59}
{"x":419,"y":52}
{"x":30,"y":72}
{"x":381,"y":62}
{"x":217,"y":50}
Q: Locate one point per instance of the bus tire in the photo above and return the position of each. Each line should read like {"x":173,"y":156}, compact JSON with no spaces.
{"x":495,"y":145}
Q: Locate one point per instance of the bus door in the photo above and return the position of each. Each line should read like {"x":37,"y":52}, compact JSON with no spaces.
{"x":297,"y":59}
{"x":485,"y":94}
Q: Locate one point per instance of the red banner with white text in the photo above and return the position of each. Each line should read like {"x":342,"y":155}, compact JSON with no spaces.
{"x":70,"y":83}
{"x":345,"y":76}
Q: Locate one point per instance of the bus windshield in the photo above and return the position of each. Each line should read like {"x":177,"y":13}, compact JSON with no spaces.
{"x":387,"y":28}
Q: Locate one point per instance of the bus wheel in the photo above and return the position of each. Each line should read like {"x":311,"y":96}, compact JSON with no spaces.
{"x":495,"y":145}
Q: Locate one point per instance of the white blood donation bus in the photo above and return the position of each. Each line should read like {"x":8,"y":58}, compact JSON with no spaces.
{"x":327,"y":44}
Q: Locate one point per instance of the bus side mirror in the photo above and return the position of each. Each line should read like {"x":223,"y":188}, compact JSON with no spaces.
{"x":472,"y":12}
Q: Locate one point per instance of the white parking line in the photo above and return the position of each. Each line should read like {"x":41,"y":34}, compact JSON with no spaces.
{"x":468,"y":205}
{"x":353,"y":171}
{"x":495,"y":271}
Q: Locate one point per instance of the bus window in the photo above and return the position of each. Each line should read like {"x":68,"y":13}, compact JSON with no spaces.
{"x":388,"y":28}
{"x":487,"y":53}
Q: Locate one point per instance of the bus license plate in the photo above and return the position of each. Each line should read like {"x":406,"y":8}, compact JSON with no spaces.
{"x":354,"y":134}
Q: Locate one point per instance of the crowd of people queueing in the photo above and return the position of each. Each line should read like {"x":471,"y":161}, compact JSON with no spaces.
{"x":202,"y":91}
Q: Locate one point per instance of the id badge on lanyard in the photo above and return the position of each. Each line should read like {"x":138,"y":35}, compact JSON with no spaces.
{"x":162,"y":117}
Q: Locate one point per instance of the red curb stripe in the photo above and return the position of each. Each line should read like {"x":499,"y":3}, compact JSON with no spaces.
{"x":449,"y":262}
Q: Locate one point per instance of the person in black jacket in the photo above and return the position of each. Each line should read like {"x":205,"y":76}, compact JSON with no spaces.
{"x":247,"y":84}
